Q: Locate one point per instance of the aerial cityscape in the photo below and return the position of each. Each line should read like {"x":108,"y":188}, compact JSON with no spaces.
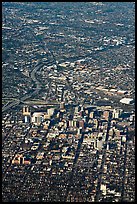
{"x":68,"y":102}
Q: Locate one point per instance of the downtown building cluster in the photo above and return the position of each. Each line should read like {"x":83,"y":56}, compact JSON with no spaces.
{"x":69,"y":153}
{"x":68,"y":115}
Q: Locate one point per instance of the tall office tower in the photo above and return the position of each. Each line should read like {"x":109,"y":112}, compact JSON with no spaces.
{"x":26,"y":111}
{"x":91,"y":115}
{"x":132,"y":118}
{"x":46,"y":124}
{"x":27,"y":119}
{"x":81,"y":124}
{"x":50,"y":111}
{"x":82,"y":109}
{"x":86,"y":111}
{"x":62,"y":105}
{"x":65,"y":124}
{"x":115,"y":114}
{"x":80,"y":131}
{"x":76,"y":109}
{"x":106,"y":115}
{"x":21,"y":159}
{"x":99,"y":143}
{"x":91,"y":101}
{"x":26,"y":114}
{"x":107,"y":146}
{"x":74,"y":123}
{"x":85,"y":118}
{"x":18,"y":159}
{"x":70,"y":123}
{"x":96,"y":123}
{"x":37,"y":118}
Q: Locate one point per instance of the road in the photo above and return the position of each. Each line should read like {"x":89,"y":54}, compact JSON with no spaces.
{"x":124,"y":173}
{"x":38,"y":87}
{"x":98,"y":192}
{"x":73,"y":167}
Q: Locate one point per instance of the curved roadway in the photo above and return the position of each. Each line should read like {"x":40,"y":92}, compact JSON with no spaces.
{"x":38,"y":87}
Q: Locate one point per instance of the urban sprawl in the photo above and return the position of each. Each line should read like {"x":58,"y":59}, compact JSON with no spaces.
{"x":68,"y":102}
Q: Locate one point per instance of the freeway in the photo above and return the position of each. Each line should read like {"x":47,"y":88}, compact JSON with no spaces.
{"x":14,"y":103}
{"x":38,"y":87}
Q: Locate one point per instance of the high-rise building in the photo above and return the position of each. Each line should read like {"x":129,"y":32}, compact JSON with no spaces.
{"x":91,"y":115}
{"x":106,"y":115}
{"x":62,"y":105}
{"x":26,"y":111}
{"x":115,"y":114}
{"x":46,"y":124}
{"x":132,"y":118}
{"x":74,"y":123}
{"x":70,"y":123}
{"x":50,"y":111}
{"x":18,"y":159}
{"x":26,"y":114}
{"x":80,"y":130}
{"x":85,"y":118}
{"x":96,"y":123}
{"x":81,"y":124}
{"x":86,"y":111}
{"x":27,"y":119}
{"x":76,"y":109}
{"x":99,"y":143}
{"x":37,"y":118}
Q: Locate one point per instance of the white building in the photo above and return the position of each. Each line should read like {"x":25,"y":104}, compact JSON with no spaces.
{"x":115,"y":114}
{"x":50,"y":111}
{"x":37,"y":118}
{"x":127,"y":100}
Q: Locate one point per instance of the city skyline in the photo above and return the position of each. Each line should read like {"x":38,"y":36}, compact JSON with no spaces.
{"x":68,"y":101}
